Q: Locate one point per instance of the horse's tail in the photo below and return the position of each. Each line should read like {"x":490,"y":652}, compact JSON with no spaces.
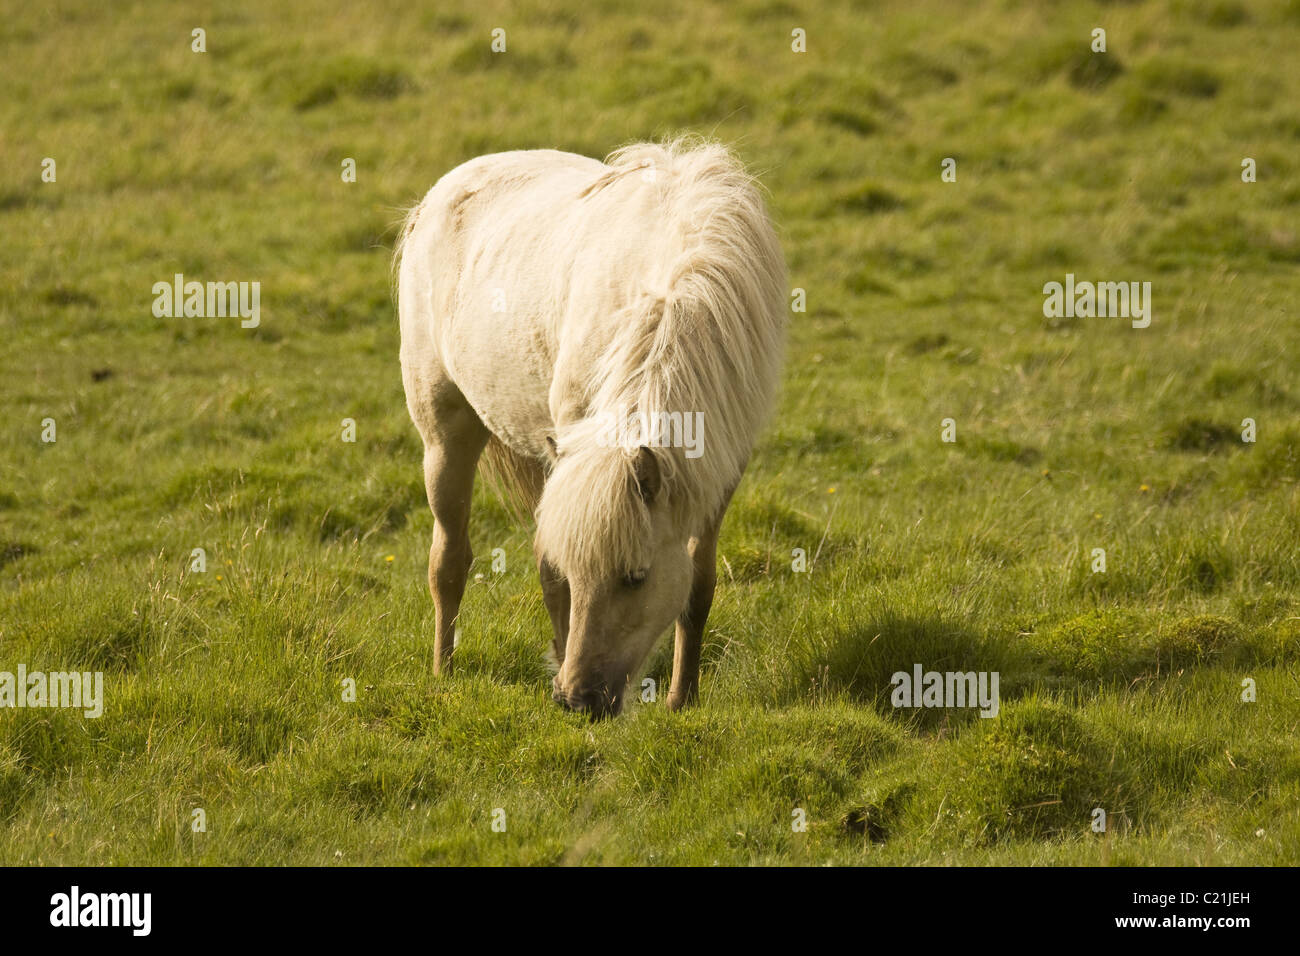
{"x":404,"y":232}
{"x":516,"y":479}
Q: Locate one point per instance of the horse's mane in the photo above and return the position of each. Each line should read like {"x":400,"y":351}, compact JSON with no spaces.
{"x":706,"y":335}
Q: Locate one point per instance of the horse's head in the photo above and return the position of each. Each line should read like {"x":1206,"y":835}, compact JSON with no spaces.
{"x":607,"y":526}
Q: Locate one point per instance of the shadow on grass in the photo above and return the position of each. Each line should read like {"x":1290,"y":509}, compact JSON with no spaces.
{"x":860,"y":660}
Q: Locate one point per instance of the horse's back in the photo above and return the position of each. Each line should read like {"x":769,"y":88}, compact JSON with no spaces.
{"x":472,"y":296}
{"x":521,"y":270}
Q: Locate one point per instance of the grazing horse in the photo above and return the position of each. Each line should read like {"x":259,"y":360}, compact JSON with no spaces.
{"x":548,"y":302}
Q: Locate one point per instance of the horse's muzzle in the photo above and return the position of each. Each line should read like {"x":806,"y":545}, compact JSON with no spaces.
{"x":596,"y":703}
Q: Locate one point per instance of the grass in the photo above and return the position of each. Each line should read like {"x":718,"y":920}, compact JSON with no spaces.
{"x":1120,"y":690}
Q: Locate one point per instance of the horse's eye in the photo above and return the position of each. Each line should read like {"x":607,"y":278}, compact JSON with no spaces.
{"x":634,"y":579}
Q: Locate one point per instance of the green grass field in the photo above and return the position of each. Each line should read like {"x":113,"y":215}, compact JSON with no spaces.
{"x":223,"y":690}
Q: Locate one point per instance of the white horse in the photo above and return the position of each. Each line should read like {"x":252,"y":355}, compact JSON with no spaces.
{"x":545,"y":300}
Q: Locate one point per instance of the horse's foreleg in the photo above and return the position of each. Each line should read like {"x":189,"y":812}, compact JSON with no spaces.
{"x":555,"y":593}
{"x":689,"y":634}
{"x":451,"y":453}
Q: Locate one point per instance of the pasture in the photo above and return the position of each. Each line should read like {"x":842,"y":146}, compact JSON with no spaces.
{"x":224,"y":689}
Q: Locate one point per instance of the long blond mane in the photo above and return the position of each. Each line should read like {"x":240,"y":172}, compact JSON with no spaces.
{"x":706,"y":336}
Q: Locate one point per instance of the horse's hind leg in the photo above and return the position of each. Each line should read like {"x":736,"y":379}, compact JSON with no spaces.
{"x":454,"y":437}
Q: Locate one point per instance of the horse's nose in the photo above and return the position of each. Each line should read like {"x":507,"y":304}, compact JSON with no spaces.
{"x":597,"y":703}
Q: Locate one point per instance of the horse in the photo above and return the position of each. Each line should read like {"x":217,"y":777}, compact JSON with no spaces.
{"x":547,"y":301}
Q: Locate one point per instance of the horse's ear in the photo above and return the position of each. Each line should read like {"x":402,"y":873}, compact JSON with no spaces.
{"x":648,"y":479}
{"x":552,"y":450}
